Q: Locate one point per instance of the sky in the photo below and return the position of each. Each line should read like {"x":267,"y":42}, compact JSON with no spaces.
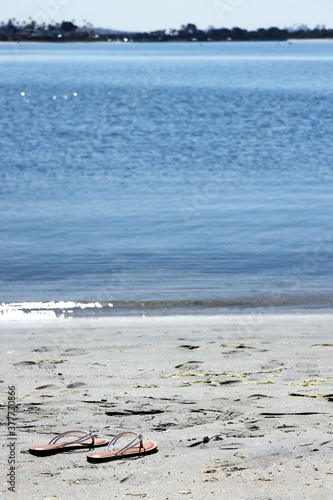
{"x":150,"y":15}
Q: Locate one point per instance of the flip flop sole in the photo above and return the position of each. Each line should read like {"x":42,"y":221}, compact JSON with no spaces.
{"x":149,"y":447}
{"x":52,"y":449}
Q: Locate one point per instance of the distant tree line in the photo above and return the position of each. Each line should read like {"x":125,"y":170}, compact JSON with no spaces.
{"x":69,"y":31}
{"x":190,"y":32}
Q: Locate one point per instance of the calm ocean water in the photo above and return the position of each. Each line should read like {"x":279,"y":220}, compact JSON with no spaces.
{"x":166,"y":175}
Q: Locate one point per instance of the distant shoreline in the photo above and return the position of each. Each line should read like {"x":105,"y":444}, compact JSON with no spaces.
{"x":136,"y":42}
{"x":67,"y":31}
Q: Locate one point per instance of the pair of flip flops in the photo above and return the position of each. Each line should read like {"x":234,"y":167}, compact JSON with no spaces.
{"x":86,"y":440}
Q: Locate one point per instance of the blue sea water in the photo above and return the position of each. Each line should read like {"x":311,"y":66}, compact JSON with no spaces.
{"x":166,"y":175}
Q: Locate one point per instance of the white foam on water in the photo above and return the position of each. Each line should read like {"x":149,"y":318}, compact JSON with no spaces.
{"x":18,"y":314}
{"x":42,"y":310}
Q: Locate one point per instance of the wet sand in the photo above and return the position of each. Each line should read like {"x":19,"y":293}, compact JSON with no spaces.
{"x":240,"y":405}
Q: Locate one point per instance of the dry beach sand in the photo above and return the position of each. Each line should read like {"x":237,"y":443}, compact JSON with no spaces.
{"x":240,"y":405}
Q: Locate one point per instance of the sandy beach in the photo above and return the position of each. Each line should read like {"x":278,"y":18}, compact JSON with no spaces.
{"x":240,"y":405}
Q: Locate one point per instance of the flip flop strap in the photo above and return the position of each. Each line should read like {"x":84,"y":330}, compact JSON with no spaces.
{"x":86,"y":435}
{"x":137,"y":440}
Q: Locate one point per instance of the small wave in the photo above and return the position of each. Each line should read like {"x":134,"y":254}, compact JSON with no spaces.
{"x":62,"y":309}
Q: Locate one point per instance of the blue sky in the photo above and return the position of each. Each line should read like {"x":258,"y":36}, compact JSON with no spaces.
{"x":149,"y":15}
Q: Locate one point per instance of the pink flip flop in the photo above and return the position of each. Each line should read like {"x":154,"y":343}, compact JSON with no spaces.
{"x":136,"y":447}
{"x":56,"y":445}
